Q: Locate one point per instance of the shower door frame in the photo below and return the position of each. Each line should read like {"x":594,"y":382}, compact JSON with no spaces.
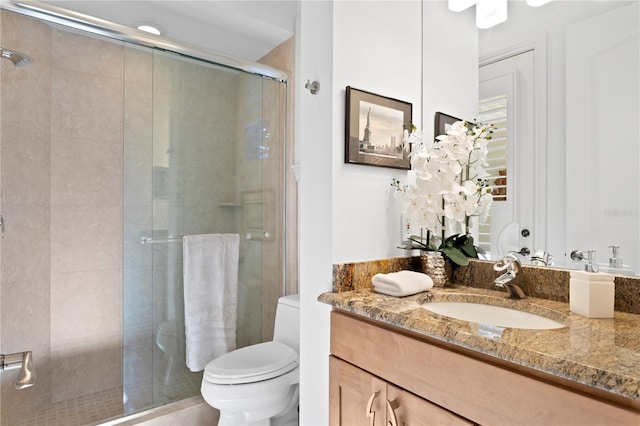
{"x":69,"y":18}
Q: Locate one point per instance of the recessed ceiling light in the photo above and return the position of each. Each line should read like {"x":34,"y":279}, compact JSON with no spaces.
{"x":149,"y":28}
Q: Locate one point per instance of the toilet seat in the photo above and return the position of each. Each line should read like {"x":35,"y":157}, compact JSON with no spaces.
{"x":251,"y":364}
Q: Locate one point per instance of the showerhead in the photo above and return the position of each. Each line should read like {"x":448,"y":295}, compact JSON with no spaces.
{"x":17,"y":58}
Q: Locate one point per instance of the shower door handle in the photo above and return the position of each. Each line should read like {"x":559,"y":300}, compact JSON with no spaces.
{"x":1,"y":226}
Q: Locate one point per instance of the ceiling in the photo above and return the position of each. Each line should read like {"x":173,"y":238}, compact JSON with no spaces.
{"x":246,"y":29}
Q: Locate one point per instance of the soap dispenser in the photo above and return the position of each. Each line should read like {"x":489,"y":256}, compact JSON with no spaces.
{"x":615,"y":261}
{"x":591,"y":294}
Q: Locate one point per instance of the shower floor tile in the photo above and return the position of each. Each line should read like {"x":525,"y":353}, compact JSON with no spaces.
{"x":85,"y":410}
{"x":99,"y":407}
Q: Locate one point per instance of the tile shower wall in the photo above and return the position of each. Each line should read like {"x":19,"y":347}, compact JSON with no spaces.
{"x":62,"y":194}
{"x":25,"y":128}
{"x":86,"y":212}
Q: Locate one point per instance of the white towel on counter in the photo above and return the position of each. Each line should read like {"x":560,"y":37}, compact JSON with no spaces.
{"x":401,"y":283}
{"x":210,"y":270}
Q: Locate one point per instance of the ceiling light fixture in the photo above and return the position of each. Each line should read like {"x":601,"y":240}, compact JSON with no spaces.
{"x":149,"y":28}
{"x":489,"y":12}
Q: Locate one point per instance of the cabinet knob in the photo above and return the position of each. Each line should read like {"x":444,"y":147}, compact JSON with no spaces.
{"x":370,"y":413}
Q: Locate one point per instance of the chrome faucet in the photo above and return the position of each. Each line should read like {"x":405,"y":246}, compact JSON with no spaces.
{"x":541,"y":258}
{"x":587,"y":255}
{"x":512,"y":266}
{"x":23,"y":361}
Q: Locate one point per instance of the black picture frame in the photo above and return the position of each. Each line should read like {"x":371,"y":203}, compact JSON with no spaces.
{"x":374,"y":127}
{"x":442,"y":122}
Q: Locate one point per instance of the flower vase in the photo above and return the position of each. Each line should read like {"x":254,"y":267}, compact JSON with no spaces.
{"x":435,"y":265}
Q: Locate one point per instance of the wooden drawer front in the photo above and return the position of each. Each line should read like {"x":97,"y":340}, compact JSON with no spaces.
{"x":474,"y":389}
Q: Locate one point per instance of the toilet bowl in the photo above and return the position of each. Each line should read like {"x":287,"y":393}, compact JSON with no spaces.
{"x":258,"y":384}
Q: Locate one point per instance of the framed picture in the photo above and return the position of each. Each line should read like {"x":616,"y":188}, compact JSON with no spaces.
{"x":442,"y":123}
{"x":374,"y":129}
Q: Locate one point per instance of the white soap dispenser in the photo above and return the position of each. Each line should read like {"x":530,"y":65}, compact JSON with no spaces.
{"x":591,"y":294}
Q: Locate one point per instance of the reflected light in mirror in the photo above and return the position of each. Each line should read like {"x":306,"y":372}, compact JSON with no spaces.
{"x":536,"y":3}
{"x":490,"y":13}
{"x":460,"y":5}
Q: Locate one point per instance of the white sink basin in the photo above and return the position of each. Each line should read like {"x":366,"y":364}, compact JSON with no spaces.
{"x":492,"y":315}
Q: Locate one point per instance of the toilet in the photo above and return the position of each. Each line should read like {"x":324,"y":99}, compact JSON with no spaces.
{"x":258,"y":384}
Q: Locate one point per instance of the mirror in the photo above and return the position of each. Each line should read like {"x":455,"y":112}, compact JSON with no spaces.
{"x":582,"y":181}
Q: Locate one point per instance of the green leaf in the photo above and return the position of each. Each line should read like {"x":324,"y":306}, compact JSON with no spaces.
{"x":450,"y":241}
{"x":456,"y":256}
{"x":470,"y":250}
{"x":468,"y":247}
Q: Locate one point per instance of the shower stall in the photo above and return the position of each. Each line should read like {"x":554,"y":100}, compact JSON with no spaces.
{"x":113,"y":146}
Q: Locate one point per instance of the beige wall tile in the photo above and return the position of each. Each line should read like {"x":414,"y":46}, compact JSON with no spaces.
{"x":138,"y":175}
{"x":26,"y":90}
{"x":85,"y":304}
{"x":86,"y":54}
{"x":24,"y":322}
{"x":25,"y":169}
{"x":85,"y":238}
{"x":86,"y":171}
{"x":138,"y":96}
{"x":86,"y":105}
{"x":26,"y":254}
{"x":24,"y":106}
{"x":138,"y":66}
{"x":84,"y":366}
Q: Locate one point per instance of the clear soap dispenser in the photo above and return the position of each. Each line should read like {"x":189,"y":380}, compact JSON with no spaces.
{"x":591,"y":294}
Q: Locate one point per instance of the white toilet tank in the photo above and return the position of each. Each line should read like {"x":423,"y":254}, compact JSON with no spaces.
{"x":287,"y":325}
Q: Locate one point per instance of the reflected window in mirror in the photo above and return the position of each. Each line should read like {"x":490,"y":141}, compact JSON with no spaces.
{"x":493,"y":110}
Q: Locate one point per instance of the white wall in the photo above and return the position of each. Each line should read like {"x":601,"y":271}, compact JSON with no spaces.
{"x":313,"y":147}
{"x":346,"y":211}
{"x":377,"y":48}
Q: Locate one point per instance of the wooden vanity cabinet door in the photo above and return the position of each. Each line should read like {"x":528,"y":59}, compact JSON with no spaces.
{"x":350,"y":392}
{"x":411,"y":410}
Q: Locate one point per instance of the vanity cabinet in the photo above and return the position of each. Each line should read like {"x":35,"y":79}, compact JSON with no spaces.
{"x":410,"y":378}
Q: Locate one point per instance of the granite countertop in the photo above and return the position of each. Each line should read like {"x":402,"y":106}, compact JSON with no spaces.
{"x":600,"y":353}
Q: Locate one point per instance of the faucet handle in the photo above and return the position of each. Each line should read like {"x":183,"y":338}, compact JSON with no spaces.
{"x":541,"y":258}
{"x":507,"y":262}
{"x":590,"y":257}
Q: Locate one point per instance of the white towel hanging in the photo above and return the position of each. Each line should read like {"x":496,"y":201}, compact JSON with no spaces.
{"x":210,"y":296}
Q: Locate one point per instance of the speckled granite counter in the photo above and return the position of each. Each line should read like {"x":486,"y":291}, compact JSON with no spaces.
{"x":600,"y":353}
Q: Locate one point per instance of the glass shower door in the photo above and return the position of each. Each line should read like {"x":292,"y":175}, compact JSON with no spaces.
{"x":202,"y":156}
